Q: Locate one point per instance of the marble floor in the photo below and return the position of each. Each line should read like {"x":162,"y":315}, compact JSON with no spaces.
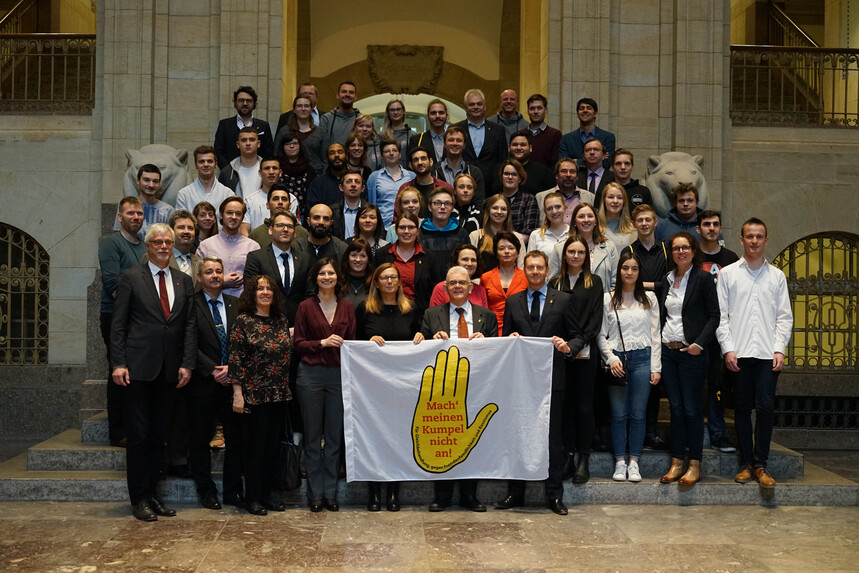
{"x":94,"y":537}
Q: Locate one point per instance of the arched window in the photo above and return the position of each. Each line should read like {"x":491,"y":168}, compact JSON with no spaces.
{"x":822,"y":279}
{"x":24,"y":282}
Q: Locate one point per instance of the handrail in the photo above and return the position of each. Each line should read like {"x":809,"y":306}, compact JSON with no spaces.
{"x":794,"y":86}
{"x":46,"y":36}
{"x":11,"y":12}
{"x":18,"y":10}
{"x":785,"y":49}
{"x":791,"y":27}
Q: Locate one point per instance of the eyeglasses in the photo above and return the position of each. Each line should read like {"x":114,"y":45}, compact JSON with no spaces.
{"x":291,"y":144}
{"x":510,"y":175}
{"x":389,"y":279}
{"x":159,"y":242}
{"x":244,"y":100}
{"x":408,"y":229}
{"x":447,"y":204}
{"x":681,"y":249}
{"x":457,"y":283}
{"x":395,"y":109}
{"x":282,"y":226}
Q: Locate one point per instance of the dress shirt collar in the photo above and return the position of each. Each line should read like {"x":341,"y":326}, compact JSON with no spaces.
{"x":542,"y":290}
{"x":155,"y":269}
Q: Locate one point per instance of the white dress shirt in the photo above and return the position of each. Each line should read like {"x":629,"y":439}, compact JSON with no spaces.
{"x":167,"y":277}
{"x":454,"y":320}
{"x":756,"y":319}
{"x":279,"y":259}
{"x":673,"y":329}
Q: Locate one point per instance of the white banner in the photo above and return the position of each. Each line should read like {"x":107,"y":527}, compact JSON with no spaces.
{"x":447,"y":409}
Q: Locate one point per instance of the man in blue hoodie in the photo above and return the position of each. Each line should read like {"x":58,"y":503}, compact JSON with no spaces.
{"x":441,"y":234}
{"x":684,"y":215}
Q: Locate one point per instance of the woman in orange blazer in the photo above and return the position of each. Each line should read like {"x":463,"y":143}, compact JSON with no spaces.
{"x":505,"y":279}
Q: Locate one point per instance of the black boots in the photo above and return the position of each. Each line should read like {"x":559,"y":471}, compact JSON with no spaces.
{"x":393,"y":502}
{"x":583,"y":473}
{"x":374,"y":498}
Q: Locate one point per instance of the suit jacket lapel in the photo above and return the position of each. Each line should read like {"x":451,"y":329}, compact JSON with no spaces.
{"x":269,"y":252}
{"x":526,"y":312}
{"x":204,"y":304}
{"x":149,"y":285}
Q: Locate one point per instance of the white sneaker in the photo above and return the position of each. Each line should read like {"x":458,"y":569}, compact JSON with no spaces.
{"x":620,"y":471}
{"x":634,"y":474}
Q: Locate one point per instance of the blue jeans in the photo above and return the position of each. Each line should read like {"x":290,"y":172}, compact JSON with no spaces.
{"x":755,"y":388}
{"x":683,"y":376}
{"x":630,"y":402}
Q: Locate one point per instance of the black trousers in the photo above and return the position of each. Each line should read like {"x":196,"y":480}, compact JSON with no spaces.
{"x":115,"y":393}
{"x":579,"y":403}
{"x":203,"y":410}
{"x":444,"y":490}
{"x":554,"y":484}
{"x":147,"y":419}
{"x":263,"y":431}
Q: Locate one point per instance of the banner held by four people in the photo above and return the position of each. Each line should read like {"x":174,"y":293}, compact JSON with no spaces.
{"x":447,"y":409}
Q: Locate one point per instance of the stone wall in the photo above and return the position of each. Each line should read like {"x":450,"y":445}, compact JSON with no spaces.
{"x":48,"y":189}
{"x":167,"y":71}
{"x":799,"y":181}
{"x":657,"y":69}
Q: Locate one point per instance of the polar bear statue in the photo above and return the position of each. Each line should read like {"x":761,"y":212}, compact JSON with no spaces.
{"x":172,"y":162}
{"x":667,"y":171}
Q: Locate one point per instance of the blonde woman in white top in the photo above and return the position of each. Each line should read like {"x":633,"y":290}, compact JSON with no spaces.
{"x":553,"y":230}
{"x":632,"y":348}
{"x":615,"y":221}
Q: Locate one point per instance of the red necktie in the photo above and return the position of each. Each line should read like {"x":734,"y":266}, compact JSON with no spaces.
{"x":461,"y":325}
{"x":162,"y":289}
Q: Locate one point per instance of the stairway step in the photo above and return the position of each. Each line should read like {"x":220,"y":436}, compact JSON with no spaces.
{"x":66,"y":452}
{"x":94,"y":395}
{"x":94,"y":430}
{"x":817,"y":487}
{"x":77,"y":451}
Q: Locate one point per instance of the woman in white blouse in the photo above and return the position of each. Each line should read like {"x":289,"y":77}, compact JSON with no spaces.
{"x":553,"y":230}
{"x":615,"y":221}
{"x":602,"y":251}
{"x":630,"y":343}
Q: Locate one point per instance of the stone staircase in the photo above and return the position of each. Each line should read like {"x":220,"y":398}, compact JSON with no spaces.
{"x":79,"y":465}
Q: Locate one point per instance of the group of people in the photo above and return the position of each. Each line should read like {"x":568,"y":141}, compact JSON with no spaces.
{"x":236,"y":305}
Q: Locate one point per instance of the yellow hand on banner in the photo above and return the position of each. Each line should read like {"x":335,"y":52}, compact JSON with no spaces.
{"x":441,"y":435}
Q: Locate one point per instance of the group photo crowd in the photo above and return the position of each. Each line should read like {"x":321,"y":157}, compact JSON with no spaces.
{"x":224,"y":314}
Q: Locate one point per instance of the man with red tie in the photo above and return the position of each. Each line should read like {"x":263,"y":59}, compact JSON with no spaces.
{"x":153,"y":344}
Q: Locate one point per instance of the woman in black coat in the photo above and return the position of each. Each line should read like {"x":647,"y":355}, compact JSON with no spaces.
{"x":689,"y":313}
{"x":586,"y":293}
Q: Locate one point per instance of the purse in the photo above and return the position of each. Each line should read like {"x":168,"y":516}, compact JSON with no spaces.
{"x":287,"y":473}
{"x":612,"y":379}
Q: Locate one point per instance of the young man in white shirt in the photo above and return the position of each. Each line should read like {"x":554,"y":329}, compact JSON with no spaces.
{"x":754,"y":331}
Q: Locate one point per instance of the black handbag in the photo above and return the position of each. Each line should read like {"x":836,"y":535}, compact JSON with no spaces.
{"x":287,"y":473}
{"x":618,"y":380}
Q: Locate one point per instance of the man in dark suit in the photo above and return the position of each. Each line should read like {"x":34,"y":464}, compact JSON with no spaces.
{"x":245,"y":102}
{"x":595,"y":176}
{"x":446,"y":321}
{"x":543,"y":311}
{"x":153,"y":344}
{"x":485,"y":142}
{"x":288,"y":266}
{"x":210,"y":391}
{"x":345,"y":211}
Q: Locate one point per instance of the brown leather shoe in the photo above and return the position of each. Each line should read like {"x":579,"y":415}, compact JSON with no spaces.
{"x":763,"y":478}
{"x":693,"y":474}
{"x":745,"y":475}
{"x":674,"y":472}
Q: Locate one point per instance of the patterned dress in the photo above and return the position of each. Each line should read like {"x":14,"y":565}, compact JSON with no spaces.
{"x":260,"y":351}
